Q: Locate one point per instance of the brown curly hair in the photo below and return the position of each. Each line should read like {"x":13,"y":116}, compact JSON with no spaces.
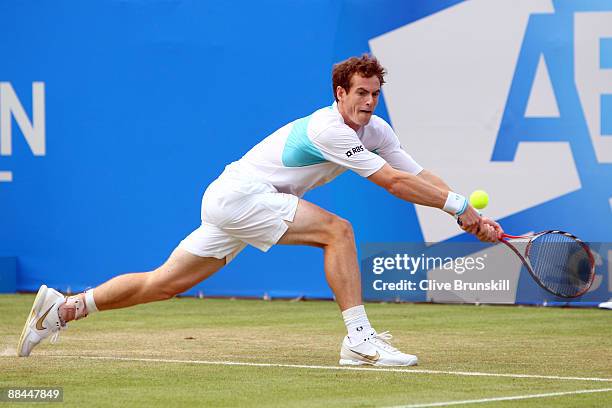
{"x":366,"y":65}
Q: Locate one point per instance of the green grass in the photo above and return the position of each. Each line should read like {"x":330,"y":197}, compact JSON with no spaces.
{"x":492,"y":339}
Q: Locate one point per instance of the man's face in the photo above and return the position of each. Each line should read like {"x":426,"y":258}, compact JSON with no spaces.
{"x":357,"y":106}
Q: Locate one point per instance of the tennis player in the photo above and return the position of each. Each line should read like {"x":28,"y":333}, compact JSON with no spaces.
{"x":257,"y":201}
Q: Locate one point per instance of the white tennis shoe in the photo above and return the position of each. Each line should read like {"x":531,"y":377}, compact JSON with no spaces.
{"x":606,"y":305}
{"x":43,"y":320}
{"x":375,"y":350}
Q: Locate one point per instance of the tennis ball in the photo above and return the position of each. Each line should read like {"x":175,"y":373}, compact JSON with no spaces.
{"x":479,"y":199}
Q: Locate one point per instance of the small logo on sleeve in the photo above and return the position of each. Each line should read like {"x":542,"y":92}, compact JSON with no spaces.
{"x":354,"y":150}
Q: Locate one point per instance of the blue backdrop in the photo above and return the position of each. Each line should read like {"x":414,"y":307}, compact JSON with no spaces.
{"x":145,"y":103}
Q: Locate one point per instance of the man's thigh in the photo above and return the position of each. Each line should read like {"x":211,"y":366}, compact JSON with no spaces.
{"x":211,"y":241}
{"x":184,"y":270}
{"x":311,"y":225}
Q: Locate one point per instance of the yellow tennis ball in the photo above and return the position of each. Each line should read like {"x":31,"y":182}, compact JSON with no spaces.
{"x":479,"y":199}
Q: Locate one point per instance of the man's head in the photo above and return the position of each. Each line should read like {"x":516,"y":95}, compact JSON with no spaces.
{"x":356,"y":83}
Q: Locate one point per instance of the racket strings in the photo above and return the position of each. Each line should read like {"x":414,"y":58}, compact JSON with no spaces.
{"x":560,"y":262}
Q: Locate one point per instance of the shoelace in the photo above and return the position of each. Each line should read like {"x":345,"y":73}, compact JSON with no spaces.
{"x":56,"y":331}
{"x":382,"y":340}
{"x":54,"y":338}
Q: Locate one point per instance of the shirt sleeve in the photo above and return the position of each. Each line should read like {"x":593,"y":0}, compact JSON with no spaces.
{"x":394,"y":154}
{"x":343,"y":147}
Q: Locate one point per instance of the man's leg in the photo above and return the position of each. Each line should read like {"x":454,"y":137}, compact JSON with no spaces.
{"x":314,"y":226}
{"x":180,"y":272}
{"x":51,"y":310}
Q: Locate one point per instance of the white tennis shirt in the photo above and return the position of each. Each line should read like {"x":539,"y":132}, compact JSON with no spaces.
{"x":315,"y":149}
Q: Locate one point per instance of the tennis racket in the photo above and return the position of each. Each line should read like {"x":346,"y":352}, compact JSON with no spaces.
{"x":558,"y":261}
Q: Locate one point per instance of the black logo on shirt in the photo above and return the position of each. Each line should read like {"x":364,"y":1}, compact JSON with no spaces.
{"x":354,"y":150}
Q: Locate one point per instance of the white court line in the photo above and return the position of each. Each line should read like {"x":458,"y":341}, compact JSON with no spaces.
{"x":347,"y":368}
{"x":518,"y":397}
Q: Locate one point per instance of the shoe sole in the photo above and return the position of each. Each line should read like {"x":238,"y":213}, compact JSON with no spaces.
{"x":38,"y":301}
{"x":346,"y":362}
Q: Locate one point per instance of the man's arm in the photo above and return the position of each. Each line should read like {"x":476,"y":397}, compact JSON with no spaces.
{"x":409,"y":187}
{"x":491,"y":232}
{"x":433,"y":179}
{"x":428,"y":189}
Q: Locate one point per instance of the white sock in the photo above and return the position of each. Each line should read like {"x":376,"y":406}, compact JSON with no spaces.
{"x":357,"y":324}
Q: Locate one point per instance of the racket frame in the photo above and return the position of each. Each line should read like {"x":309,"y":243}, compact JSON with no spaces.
{"x":527,"y":264}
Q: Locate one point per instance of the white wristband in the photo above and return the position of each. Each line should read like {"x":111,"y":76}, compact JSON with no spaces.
{"x":455,"y":203}
{"x":90,"y":302}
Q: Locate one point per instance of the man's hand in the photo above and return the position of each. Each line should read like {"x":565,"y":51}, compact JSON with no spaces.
{"x":470,"y":220}
{"x":497,"y":229}
{"x":484,"y":228}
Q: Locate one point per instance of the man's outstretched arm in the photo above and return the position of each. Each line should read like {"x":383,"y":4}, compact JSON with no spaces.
{"x":430,"y":190}
{"x":409,"y":187}
{"x":431,"y":178}
{"x":438,"y":182}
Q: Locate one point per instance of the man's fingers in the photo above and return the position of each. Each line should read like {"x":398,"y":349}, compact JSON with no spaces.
{"x":495,"y":231}
{"x":483,"y":234}
{"x":487,"y":234}
{"x":493,"y":235}
{"x":483,"y":228}
{"x":473,"y":228}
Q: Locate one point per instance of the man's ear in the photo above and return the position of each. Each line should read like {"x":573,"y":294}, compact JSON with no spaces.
{"x":340,"y":92}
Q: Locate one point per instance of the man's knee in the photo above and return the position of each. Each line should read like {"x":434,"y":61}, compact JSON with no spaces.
{"x":159,"y":288}
{"x":340,"y":230}
{"x":179,"y":273}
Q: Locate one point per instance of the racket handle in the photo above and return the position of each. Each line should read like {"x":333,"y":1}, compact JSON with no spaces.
{"x":516,"y":236}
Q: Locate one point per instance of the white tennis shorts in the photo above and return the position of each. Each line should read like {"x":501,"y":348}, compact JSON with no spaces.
{"x":237,"y":211}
